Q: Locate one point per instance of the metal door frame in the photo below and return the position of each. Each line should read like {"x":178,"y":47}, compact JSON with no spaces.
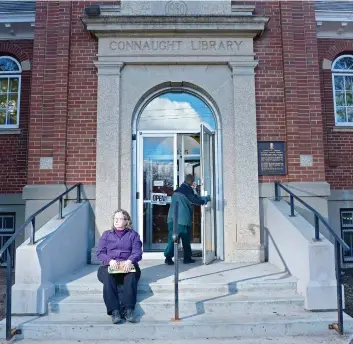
{"x":212,"y":204}
{"x":140,"y":144}
{"x":140,"y":139}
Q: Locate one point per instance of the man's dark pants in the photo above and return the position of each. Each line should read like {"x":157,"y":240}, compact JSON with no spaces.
{"x":110,"y":288}
{"x":184,"y":235}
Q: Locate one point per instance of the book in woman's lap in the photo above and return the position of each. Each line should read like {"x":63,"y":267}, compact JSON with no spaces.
{"x":120,"y":270}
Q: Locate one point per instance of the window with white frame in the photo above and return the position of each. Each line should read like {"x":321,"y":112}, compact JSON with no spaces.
{"x":10,"y":86}
{"x":347,"y":232}
{"x":342,"y":79}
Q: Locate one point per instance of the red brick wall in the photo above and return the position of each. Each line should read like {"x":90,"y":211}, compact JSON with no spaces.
{"x":288,"y":87}
{"x":338,"y":145}
{"x":13,"y":152}
{"x":63,"y":97}
{"x":65,"y":93}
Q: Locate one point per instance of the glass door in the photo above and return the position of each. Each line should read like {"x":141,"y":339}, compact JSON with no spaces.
{"x":158,"y":180}
{"x":207,"y":188}
{"x":189,"y":163}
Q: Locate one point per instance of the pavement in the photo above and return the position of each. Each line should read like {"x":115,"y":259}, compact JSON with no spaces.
{"x":330,"y":339}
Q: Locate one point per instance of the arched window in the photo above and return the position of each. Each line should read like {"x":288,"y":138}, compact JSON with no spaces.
{"x":10,"y":86}
{"x":342,"y":78}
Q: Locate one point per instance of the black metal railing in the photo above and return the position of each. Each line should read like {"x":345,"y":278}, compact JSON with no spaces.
{"x":339,"y":245}
{"x":10,"y":332}
{"x":176,"y":262}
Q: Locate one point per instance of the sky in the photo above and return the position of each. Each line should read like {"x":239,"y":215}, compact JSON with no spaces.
{"x":176,"y":111}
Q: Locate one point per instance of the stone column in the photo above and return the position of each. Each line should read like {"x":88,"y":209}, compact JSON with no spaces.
{"x":246,"y":189}
{"x":108,"y":145}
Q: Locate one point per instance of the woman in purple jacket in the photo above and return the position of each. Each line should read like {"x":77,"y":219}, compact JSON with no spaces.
{"x":120,"y":247}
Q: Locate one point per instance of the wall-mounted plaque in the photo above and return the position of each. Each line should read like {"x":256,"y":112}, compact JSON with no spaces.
{"x":272,"y":158}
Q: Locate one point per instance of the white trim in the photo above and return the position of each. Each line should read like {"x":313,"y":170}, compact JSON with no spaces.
{"x":333,"y":16}
{"x":4,"y":37}
{"x":10,"y":131}
{"x":334,"y":35}
{"x":17,"y":18}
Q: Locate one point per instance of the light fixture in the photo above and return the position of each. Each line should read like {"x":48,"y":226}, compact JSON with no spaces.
{"x":93,"y":10}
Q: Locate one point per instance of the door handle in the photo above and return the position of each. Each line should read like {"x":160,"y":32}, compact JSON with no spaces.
{"x":207,"y":205}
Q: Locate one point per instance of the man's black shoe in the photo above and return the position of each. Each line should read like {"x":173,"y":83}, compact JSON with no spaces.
{"x":130,"y":316}
{"x":189,"y":261}
{"x":116,"y":318}
{"x":169,"y":261}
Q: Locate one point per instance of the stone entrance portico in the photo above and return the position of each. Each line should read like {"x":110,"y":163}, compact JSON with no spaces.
{"x":214,"y":55}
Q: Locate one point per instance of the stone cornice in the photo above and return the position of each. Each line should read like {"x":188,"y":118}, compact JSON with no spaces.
{"x":107,"y":25}
{"x":109,"y":68}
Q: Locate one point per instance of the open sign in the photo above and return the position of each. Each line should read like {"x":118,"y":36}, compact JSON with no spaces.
{"x":159,"y":198}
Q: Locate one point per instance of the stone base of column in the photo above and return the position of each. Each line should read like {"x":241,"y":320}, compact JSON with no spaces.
{"x":94,"y":260}
{"x":247,"y":254}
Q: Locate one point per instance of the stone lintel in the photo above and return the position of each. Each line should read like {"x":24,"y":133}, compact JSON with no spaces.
{"x":177,"y":24}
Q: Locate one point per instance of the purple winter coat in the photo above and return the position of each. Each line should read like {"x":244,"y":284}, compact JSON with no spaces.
{"x":126,"y":247}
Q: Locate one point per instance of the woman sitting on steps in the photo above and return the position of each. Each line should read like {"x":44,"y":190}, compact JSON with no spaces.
{"x":119,"y":250}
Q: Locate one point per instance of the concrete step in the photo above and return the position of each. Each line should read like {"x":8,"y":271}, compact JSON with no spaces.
{"x":270,"y":288}
{"x":331,"y":338}
{"x":99,"y":327}
{"x":226,"y":278}
{"x":240,"y":303}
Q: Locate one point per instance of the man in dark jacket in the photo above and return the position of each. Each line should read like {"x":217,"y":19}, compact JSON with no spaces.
{"x":186,"y":197}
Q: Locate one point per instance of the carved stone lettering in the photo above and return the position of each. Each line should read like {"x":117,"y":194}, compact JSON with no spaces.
{"x":175,"y":45}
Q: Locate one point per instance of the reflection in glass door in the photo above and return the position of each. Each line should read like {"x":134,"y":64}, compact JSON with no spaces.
{"x":158,"y":175}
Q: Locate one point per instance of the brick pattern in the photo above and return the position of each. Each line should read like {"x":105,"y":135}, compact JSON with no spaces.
{"x":13,"y":153}
{"x":63,"y":103}
{"x":50,"y":91}
{"x":82,"y":120}
{"x":288,"y":87}
{"x":65,"y":97}
{"x":337,"y":145}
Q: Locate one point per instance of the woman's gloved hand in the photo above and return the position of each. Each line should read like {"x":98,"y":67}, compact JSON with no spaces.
{"x":208,"y":198}
{"x":114,"y":264}
{"x":127,"y":266}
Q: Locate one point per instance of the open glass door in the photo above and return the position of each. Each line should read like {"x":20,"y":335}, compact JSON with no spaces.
{"x":158,"y":180}
{"x":207,"y":188}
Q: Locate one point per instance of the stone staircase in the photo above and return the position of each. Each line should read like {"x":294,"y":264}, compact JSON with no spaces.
{"x":216,"y":301}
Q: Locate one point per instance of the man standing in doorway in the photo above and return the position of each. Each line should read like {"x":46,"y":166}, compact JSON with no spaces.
{"x":186,"y":197}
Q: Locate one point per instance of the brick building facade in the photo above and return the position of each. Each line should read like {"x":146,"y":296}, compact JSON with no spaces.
{"x":56,"y":141}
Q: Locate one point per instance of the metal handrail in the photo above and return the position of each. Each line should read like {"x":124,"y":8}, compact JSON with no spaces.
{"x":339,"y":245}
{"x":176,"y":262}
{"x":11,"y":242}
